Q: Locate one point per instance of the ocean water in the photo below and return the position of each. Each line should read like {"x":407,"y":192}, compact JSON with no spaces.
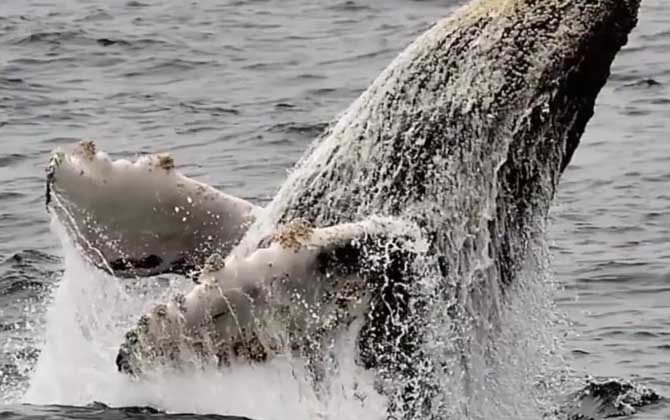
{"x":235,"y":90}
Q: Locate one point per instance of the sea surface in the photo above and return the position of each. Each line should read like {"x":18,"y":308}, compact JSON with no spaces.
{"x":236,"y":89}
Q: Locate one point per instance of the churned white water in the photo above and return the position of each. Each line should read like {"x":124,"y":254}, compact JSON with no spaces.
{"x":90,"y":312}
{"x":86,"y":322}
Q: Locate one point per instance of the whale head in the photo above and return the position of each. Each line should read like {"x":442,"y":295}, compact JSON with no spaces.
{"x":540,"y":64}
{"x":469,"y":128}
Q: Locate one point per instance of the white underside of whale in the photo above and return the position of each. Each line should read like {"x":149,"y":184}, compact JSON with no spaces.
{"x":144,"y":217}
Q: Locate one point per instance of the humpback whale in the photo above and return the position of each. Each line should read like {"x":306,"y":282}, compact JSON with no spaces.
{"x":425,"y":196}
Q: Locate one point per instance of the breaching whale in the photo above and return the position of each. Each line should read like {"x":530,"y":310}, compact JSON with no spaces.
{"x":427,"y":194}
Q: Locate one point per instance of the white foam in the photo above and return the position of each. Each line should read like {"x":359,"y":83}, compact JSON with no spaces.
{"x":90,"y":313}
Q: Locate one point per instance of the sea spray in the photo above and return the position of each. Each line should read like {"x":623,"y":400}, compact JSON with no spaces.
{"x":86,"y":321}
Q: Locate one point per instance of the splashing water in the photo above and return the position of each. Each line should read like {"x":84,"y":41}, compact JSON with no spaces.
{"x":510,"y":378}
{"x":90,"y":313}
{"x":508,"y":374}
{"x":466,"y":134}
{"x":514,"y":368}
{"x":495,"y":359}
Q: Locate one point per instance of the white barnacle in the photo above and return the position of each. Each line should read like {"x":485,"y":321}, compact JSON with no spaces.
{"x":180,"y":300}
{"x":161,"y":311}
{"x":215,"y":262}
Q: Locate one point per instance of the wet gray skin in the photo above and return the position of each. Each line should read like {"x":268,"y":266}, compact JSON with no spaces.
{"x":465,"y":134}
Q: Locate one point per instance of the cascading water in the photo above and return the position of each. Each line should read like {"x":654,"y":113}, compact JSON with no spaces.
{"x":91,"y":311}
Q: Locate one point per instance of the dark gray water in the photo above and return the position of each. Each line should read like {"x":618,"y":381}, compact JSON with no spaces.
{"x":235,"y":90}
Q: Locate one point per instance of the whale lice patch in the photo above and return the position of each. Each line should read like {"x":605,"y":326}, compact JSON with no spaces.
{"x":89,"y":149}
{"x":165,"y":161}
{"x":294,"y":235}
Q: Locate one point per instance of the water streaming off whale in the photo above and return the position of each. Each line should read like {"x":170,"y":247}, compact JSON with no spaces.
{"x":465,"y":134}
{"x":478,"y":260}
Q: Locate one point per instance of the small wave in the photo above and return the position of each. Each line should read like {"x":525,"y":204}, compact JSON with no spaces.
{"x":305,"y":129}
{"x":359,"y":57}
{"x":623,"y":77}
{"x":196,"y":129}
{"x":29,"y":257}
{"x":660,"y":101}
{"x":11,"y":80}
{"x":98,"y":410}
{"x":27,"y":275}
{"x":11,"y":195}
{"x":24,"y":285}
{"x":96,"y":16}
{"x":606,"y":398}
{"x":580,"y":353}
{"x":349,"y":6}
{"x":81,"y":38}
{"x":55,"y":141}
{"x":106,"y":42}
{"x":643,"y":83}
{"x":176,"y":66}
{"x":262,"y":66}
{"x":11,"y":159}
{"x":49,"y":37}
{"x":24,"y":61}
{"x":198,"y":107}
{"x":656,"y":36}
{"x":135,"y":3}
{"x":310,"y":76}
